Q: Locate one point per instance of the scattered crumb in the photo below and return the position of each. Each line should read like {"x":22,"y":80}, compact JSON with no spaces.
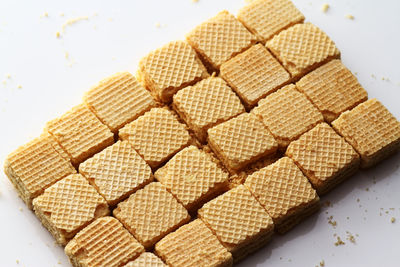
{"x":61,"y":14}
{"x":19,"y":86}
{"x":347,"y":217}
{"x":328,"y":203}
{"x":58,"y":34}
{"x":351,"y":237}
{"x":195,"y":1}
{"x":157,"y":24}
{"x":73,"y":21}
{"x":356,"y":73}
{"x":322,"y":263}
{"x":325,"y":8}
{"x":358,"y":200}
{"x":331,"y":221}
{"x":66,"y":55}
{"x":393,"y":219}
{"x":348,"y":16}
{"x":59,"y":262}
{"x":367,"y":189}
{"x":44,"y":15}
{"x":339,"y":242}
{"x":373,"y":76}
{"x":21,"y":209}
{"x":8,"y":75}
{"x":17,"y":261}
{"x":110,"y":19}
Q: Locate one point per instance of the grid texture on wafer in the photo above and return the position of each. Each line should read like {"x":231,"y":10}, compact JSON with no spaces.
{"x":118,"y":99}
{"x":146,"y":259}
{"x":371,"y":129}
{"x":156,"y":136}
{"x":333,"y":89}
{"x":206,"y":104}
{"x":116,"y":172}
{"x":265,"y":18}
{"x":302,"y":48}
{"x":287,"y":113}
{"x":191,"y":176}
{"x":80,"y":133}
{"x":69,"y":205}
{"x":105,"y":242}
{"x":151,"y":213}
{"x":237,"y":219}
{"x":254,"y":73}
{"x":324,"y":157}
{"x":282,"y":189}
{"x":220,"y":38}
{"x":169,"y":68}
{"x":36,"y":165}
{"x":241,"y":140}
{"x":193,"y":245}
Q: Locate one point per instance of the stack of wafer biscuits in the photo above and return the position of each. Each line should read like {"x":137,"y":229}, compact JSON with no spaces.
{"x":218,"y":142}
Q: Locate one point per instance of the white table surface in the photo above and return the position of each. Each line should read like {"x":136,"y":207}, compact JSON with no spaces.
{"x":115,"y":36}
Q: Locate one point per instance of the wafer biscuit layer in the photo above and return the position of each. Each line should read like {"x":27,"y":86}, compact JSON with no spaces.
{"x":146,"y":259}
{"x":69,"y":205}
{"x":254,"y":74}
{"x":116,"y":172}
{"x":104,"y":242}
{"x":371,"y":129}
{"x":118,"y":99}
{"x":193,"y":245}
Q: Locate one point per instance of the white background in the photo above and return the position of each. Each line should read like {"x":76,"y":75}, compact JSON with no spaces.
{"x":115,"y":36}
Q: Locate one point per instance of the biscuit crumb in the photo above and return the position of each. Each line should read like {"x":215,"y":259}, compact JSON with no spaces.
{"x":195,"y":1}
{"x":21,"y":209}
{"x":339,"y":242}
{"x":367,"y":189}
{"x":328,"y":203}
{"x":58,"y":35}
{"x":73,"y":21}
{"x":331,"y":221}
{"x":17,"y":261}
{"x":19,"y":86}
{"x":351,"y":237}
{"x":44,"y":15}
{"x":348,"y":16}
{"x":393,"y":219}
{"x":8,"y":75}
{"x":157,"y":24}
{"x":66,"y":55}
{"x":61,"y":14}
{"x":322,"y":263}
{"x":324,"y":8}
{"x":373,"y":76}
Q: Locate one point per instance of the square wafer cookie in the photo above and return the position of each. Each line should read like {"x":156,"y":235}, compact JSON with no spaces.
{"x":192,"y":177}
{"x":241,"y":141}
{"x":286,"y":194}
{"x":104,"y":242}
{"x":80,"y":133}
{"x":220,"y":38}
{"x":254,"y":74}
{"x":151,"y":213}
{"x":116,"y":172}
{"x":206,"y":104}
{"x":287,"y":113}
{"x":35,"y":166}
{"x":68,"y":206}
{"x":193,"y":245}
{"x":146,"y":259}
{"x":333,"y":89}
{"x":156,"y":136}
{"x":118,"y":99}
{"x":371,"y":129}
{"x":238,"y":220}
{"x":265,"y":18}
{"x":324,"y":157}
{"x":168,"y":69}
{"x":302,"y":48}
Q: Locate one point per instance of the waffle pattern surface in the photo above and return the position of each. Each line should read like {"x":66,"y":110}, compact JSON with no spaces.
{"x":192,"y":177}
{"x":333,"y":89}
{"x":156,"y":136}
{"x":118,"y":99}
{"x":265,"y":18}
{"x":241,"y":140}
{"x":171,"y":67}
{"x":146,"y":259}
{"x":69,"y":205}
{"x":116,"y":172}
{"x":105,"y":242}
{"x":80,"y":133}
{"x":302,"y":48}
{"x":324,"y":157}
{"x":151,"y":213}
{"x":254,"y":73}
{"x":220,"y":38}
{"x":371,"y":129}
{"x":287,"y":113}
{"x":206,"y":104}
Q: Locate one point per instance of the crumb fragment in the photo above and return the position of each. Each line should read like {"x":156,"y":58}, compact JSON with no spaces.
{"x":44,"y":15}
{"x":195,"y":1}
{"x":351,"y":237}
{"x":19,"y":86}
{"x":157,"y":24}
{"x":367,"y":189}
{"x":61,"y":14}
{"x":393,"y":219}
{"x":328,"y":203}
{"x":331,"y":221}
{"x":8,"y":75}
{"x":21,"y":209}
{"x":66,"y":55}
{"x":373,"y":76}
{"x":349,"y":16}
{"x":17,"y":261}
{"x":322,"y":263}
{"x":73,"y":21}
{"x":339,"y":242}
{"x":58,"y":34}
{"x":324,"y":8}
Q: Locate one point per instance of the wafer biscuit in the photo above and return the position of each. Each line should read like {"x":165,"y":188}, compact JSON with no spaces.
{"x":192,"y":177}
{"x":156,"y":136}
{"x":80,"y":133}
{"x":287,"y":113}
{"x":241,"y":141}
{"x":116,"y":172}
{"x":146,"y":259}
{"x":333,"y":89}
{"x":220,"y":38}
{"x":371,"y":129}
{"x":302,"y":48}
{"x":265,"y":18}
{"x":68,"y":206}
{"x":35,"y":166}
{"x":104,"y":242}
{"x":238,"y":220}
{"x":206,"y":104}
{"x":170,"y":68}
{"x":285,"y":193}
{"x":151,"y":213}
{"x":193,"y":245}
{"x":254,"y":74}
{"x":118,"y":99}
{"x":324,"y":157}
